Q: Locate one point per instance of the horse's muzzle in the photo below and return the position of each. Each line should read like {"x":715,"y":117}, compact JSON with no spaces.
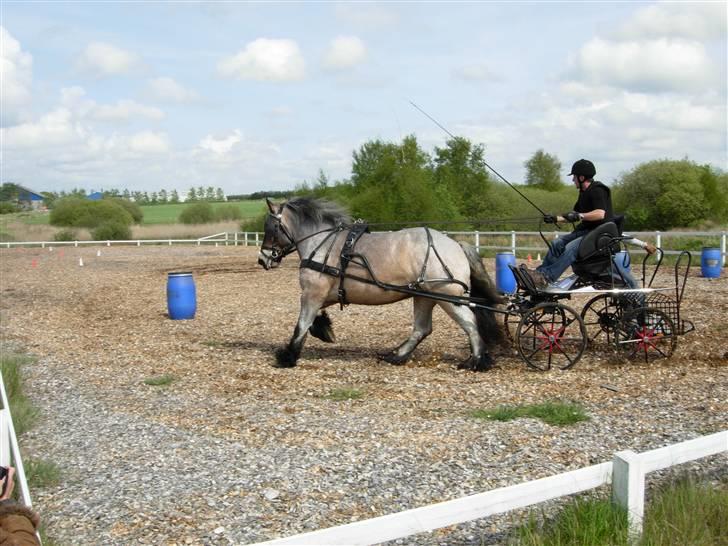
{"x":267,"y":260}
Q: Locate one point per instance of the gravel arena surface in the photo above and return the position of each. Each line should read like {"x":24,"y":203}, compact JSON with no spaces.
{"x":234,"y":451}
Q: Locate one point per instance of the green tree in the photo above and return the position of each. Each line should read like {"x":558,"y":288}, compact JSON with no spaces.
{"x":665,"y":194}
{"x":174,"y":197}
{"x":219,"y":195}
{"x":162,"y":196}
{"x":462,"y":178}
{"x":191,"y":195}
{"x":394,"y":182}
{"x":543,"y":171}
{"x":8,"y":192}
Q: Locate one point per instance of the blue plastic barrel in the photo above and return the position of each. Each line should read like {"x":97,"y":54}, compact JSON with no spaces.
{"x":710,"y":262}
{"x":622,"y":260}
{"x":505,"y":282}
{"x":181,"y":296}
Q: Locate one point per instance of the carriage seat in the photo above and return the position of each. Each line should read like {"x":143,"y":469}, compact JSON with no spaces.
{"x":596,"y":250}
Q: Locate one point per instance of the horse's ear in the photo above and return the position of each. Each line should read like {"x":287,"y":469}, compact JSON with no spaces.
{"x":271,"y":206}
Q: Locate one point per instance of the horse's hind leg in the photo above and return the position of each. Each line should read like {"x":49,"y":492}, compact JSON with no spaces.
{"x":479,"y":360}
{"x":288,"y":355}
{"x":421,"y":328}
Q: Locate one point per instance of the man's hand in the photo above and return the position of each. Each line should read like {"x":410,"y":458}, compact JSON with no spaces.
{"x":549,"y":219}
{"x":650,"y":248}
{"x":572,"y":216}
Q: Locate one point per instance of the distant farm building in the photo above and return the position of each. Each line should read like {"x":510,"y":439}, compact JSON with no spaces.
{"x":28,"y":199}
{"x":95,"y":196}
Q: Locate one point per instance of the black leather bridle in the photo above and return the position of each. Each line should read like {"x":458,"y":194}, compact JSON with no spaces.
{"x":279,"y":251}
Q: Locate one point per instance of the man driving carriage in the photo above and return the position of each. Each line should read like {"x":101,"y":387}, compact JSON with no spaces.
{"x":593,"y":207}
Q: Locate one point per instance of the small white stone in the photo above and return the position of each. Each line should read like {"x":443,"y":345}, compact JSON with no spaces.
{"x":271,"y":494}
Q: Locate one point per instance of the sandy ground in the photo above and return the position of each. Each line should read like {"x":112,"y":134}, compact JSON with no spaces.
{"x":104,"y":327}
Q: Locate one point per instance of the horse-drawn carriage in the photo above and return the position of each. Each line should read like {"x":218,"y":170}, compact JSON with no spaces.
{"x":342,"y":262}
{"x":639,"y":323}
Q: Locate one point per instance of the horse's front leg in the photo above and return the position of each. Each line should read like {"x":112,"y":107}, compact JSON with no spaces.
{"x":287,"y":356}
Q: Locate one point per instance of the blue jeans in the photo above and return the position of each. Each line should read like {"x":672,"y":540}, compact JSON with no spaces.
{"x":562,"y":254}
{"x":626,"y":274}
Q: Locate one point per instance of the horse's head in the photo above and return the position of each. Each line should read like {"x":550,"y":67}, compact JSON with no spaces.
{"x":277,"y":239}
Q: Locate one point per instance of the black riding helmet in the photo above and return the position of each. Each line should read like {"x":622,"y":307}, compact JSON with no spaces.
{"x":584,"y":168}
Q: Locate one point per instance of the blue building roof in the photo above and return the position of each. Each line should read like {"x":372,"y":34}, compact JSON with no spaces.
{"x":95,"y":196}
{"x":24,"y":194}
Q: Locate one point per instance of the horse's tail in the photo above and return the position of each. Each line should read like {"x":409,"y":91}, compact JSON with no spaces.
{"x":481,"y":287}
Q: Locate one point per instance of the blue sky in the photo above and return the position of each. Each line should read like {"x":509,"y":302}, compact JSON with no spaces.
{"x":260,"y":96}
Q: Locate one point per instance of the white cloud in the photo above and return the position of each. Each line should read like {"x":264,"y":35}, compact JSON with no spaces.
{"x":149,"y":142}
{"x":265,"y":60}
{"x":53,"y":129}
{"x":101,"y":59}
{"x":74,"y":98}
{"x":345,"y":52}
{"x":124,"y":110}
{"x":692,"y":20}
{"x":221,"y":146}
{"x":17,"y":75}
{"x":650,"y":65}
{"x":167,"y":89}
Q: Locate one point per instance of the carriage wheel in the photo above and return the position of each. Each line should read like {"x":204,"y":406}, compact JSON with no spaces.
{"x":551,"y":335}
{"x":646,"y":333}
{"x":601,"y":316}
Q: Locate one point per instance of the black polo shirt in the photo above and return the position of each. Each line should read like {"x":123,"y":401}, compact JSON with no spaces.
{"x":596,"y":196}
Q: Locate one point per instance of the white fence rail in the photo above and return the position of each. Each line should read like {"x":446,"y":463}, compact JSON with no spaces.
{"x":518,"y":241}
{"x":626,"y":473}
{"x":9,"y":449}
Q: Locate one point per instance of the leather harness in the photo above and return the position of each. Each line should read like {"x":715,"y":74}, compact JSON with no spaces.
{"x":348,"y":255}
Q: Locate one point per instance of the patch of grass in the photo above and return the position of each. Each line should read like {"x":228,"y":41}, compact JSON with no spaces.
{"x":340,"y":395}
{"x":553,"y":413}
{"x":585,"y":521}
{"x":687,"y":512}
{"x":159,"y":380}
{"x":684,"y":511}
{"x":23,"y":412}
{"x":41,"y":473}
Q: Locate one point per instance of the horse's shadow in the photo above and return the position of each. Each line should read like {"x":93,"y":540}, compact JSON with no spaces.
{"x":328,"y":352}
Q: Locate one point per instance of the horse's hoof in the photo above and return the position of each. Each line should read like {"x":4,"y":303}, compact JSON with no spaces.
{"x":480,"y":364}
{"x":393,"y":358}
{"x":285,"y":358}
{"x":468,"y":364}
{"x":484,"y":363}
{"x":321,"y":328}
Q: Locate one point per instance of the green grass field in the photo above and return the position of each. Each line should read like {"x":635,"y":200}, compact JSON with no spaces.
{"x":168,"y":214}
{"x":158,"y":214}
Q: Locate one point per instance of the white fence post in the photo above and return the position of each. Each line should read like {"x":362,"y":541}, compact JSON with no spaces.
{"x":658,"y":239}
{"x":513,"y":242}
{"x":477,"y":241}
{"x":722,"y":249}
{"x":628,"y":488}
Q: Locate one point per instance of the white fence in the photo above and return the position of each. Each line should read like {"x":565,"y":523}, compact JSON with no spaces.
{"x":518,"y":241}
{"x":626,"y":473}
{"x":9,"y":449}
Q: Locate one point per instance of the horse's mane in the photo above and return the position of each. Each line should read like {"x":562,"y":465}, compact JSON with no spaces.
{"x":318,"y":211}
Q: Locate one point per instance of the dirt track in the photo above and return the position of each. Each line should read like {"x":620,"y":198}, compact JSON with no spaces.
{"x":103,"y":327}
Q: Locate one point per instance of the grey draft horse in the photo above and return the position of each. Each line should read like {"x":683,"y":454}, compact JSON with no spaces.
{"x":342,"y":265}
